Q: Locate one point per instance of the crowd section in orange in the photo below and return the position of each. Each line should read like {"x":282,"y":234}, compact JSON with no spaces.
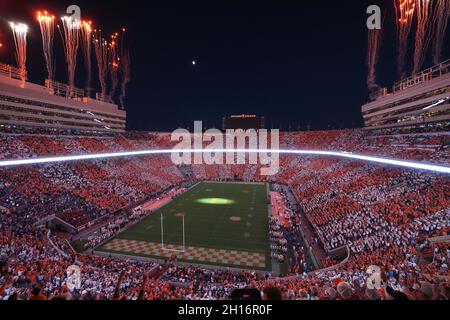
{"x":382,"y":213}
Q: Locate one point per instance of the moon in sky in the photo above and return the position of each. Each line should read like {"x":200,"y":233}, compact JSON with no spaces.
{"x":193,"y":62}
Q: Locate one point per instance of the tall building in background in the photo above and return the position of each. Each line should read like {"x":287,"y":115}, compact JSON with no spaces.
{"x":243,"y":121}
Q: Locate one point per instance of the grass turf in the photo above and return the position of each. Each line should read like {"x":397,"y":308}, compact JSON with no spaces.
{"x":209,"y":209}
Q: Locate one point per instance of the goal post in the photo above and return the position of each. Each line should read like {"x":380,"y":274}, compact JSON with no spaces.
{"x":162,"y":237}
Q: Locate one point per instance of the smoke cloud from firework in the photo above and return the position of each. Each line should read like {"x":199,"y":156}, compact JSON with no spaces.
{"x":375,"y":38}
{"x":126,"y":69}
{"x":114,"y":63}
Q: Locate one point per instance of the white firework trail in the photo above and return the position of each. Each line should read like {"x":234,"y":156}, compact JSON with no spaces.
{"x":439,"y":25}
{"x":375,"y":37}
{"x":71,"y":37}
{"x":86,"y":47}
{"x":423,"y":34}
{"x":113,"y":63}
{"x":101,"y":54}
{"x":47,"y":26}
{"x":125,"y":64}
{"x":20,"y":31}
{"x":404,"y":11}
{"x":126,"y":75}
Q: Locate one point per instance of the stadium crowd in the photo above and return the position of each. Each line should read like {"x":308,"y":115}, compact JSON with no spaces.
{"x":384,"y":215}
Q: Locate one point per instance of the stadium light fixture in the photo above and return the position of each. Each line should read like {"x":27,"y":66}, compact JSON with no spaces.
{"x":394,"y":162}
{"x":435,"y":104}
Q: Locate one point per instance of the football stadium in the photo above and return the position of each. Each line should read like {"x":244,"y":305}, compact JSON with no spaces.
{"x":116,"y":183}
{"x":229,"y":229}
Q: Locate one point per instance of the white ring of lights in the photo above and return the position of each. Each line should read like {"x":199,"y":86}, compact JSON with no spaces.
{"x":399,"y":163}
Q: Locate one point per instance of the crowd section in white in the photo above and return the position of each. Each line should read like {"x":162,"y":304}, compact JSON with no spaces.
{"x":385,"y":214}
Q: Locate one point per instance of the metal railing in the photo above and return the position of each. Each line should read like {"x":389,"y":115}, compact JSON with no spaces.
{"x":103,"y":97}
{"x":12,"y":72}
{"x":64,"y":90}
{"x":421,"y":77}
{"x":55,"y":87}
{"x":426,"y":75}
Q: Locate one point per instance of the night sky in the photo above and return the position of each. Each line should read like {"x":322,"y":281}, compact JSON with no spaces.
{"x":299,"y":63}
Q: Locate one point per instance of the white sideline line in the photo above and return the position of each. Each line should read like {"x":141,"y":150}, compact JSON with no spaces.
{"x":400,"y":163}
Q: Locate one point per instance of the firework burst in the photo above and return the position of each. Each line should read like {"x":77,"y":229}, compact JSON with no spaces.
{"x":125,"y":68}
{"x":47,"y":25}
{"x":70,"y":35}
{"x":20,"y":31}
{"x":86,"y":47}
{"x":439,"y":25}
{"x":404,"y":10}
{"x":375,"y":37}
{"x":114,"y":63}
{"x":101,"y":54}
{"x":423,"y":34}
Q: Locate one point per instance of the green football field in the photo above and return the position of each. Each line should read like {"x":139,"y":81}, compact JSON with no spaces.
{"x":225,"y":224}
